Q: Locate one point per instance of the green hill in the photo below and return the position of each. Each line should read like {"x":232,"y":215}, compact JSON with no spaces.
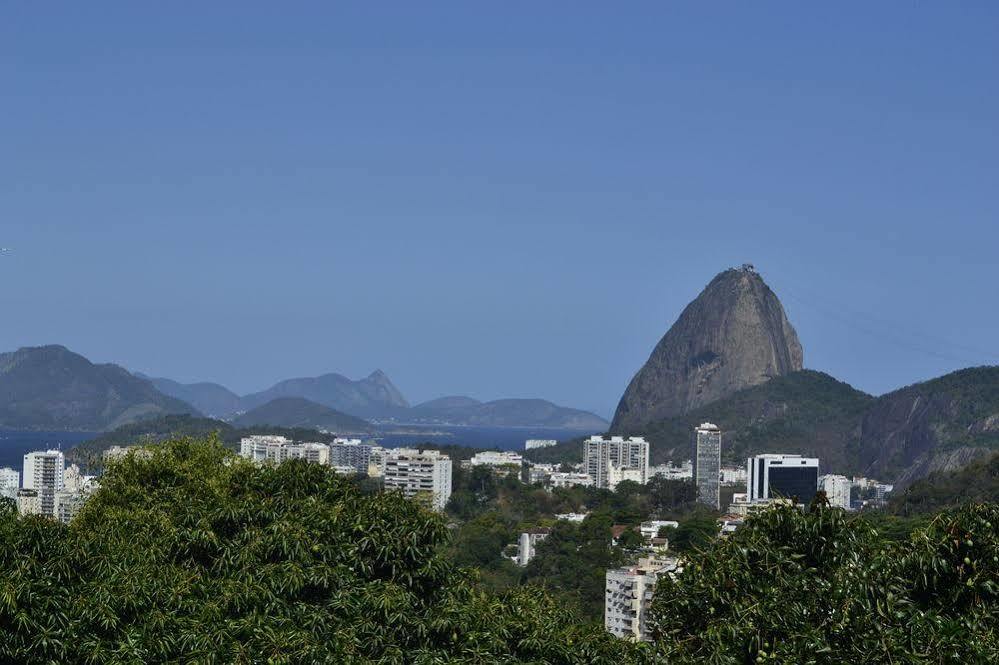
{"x":299,"y":412}
{"x":976,"y":482}
{"x":937,"y":425}
{"x":52,"y":388}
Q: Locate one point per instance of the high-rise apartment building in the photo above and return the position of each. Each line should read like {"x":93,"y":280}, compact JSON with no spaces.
{"x":707,"y":464}
{"x":773,"y":476}
{"x":10,"y":482}
{"x":628,"y":597}
{"x":43,"y":472}
{"x":351,"y":452}
{"x":607,"y":459}
{"x":837,"y":489}
{"x":423,"y":475}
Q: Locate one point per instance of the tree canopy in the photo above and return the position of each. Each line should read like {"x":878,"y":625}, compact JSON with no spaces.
{"x":193,"y":554}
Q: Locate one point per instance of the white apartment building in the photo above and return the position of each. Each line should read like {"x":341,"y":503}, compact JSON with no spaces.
{"x":837,"y":489}
{"x":496,"y":458}
{"x":604,"y":459}
{"x":67,"y":504}
{"x":311,"y":452}
{"x":351,"y":452}
{"x":571,"y":517}
{"x":707,"y":464}
{"x":376,"y":462}
{"x":29,"y":502}
{"x":733,"y":475}
{"x":44,"y":473}
{"x":569,"y":479}
{"x":277,"y":449}
{"x":528,"y":543}
{"x":10,"y":482}
{"x":671,"y":471}
{"x":651,"y":528}
{"x":628,"y":596}
{"x":418,"y":474}
{"x":531,"y":444}
{"x":263,"y":448}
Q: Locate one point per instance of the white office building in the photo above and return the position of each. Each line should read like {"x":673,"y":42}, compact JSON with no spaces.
{"x":837,"y":489}
{"x":44,"y":473}
{"x":605,"y":460}
{"x":10,"y":482}
{"x":424,"y":475}
{"x":707,"y":464}
{"x":628,"y":596}
{"x":774,"y":476}
{"x":531,"y":444}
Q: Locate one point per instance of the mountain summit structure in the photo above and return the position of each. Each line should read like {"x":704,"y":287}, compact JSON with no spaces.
{"x":734,"y":335}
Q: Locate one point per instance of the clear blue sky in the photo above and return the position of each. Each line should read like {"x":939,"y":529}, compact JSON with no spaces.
{"x":513,"y":199}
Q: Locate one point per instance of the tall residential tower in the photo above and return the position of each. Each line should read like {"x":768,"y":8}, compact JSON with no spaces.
{"x":707,"y":464}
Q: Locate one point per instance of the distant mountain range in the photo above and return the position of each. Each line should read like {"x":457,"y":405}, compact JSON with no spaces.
{"x":53,"y":388}
{"x":376,"y":398}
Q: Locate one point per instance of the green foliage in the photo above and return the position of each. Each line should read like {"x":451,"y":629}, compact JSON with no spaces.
{"x":194,"y":555}
{"x":822,"y":587}
{"x":572,"y":561}
{"x":979,"y":481}
{"x":696,"y":532}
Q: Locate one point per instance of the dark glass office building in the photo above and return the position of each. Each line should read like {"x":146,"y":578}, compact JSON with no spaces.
{"x":782,"y":477}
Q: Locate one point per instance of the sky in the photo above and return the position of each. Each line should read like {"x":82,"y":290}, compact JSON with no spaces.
{"x":500,"y":200}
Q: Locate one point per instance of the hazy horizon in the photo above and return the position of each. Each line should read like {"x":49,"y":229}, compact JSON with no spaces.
{"x":511,"y":201}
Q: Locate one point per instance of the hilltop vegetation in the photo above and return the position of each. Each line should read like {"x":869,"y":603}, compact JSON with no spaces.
{"x":977,"y":482}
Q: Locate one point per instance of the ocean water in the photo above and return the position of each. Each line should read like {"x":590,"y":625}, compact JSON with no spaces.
{"x":495,"y":438}
{"x":14,"y":445}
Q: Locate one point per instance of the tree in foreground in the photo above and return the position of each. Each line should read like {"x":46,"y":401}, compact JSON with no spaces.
{"x":824,"y":587}
{"x":190,"y":554}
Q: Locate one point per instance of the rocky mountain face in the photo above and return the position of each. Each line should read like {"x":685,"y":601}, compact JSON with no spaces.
{"x":935,"y":426}
{"x":295,"y":412}
{"x":211,"y":399}
{"x":371,"y":397}
{"x":734,"y":335}
{"x":52,"y":388}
